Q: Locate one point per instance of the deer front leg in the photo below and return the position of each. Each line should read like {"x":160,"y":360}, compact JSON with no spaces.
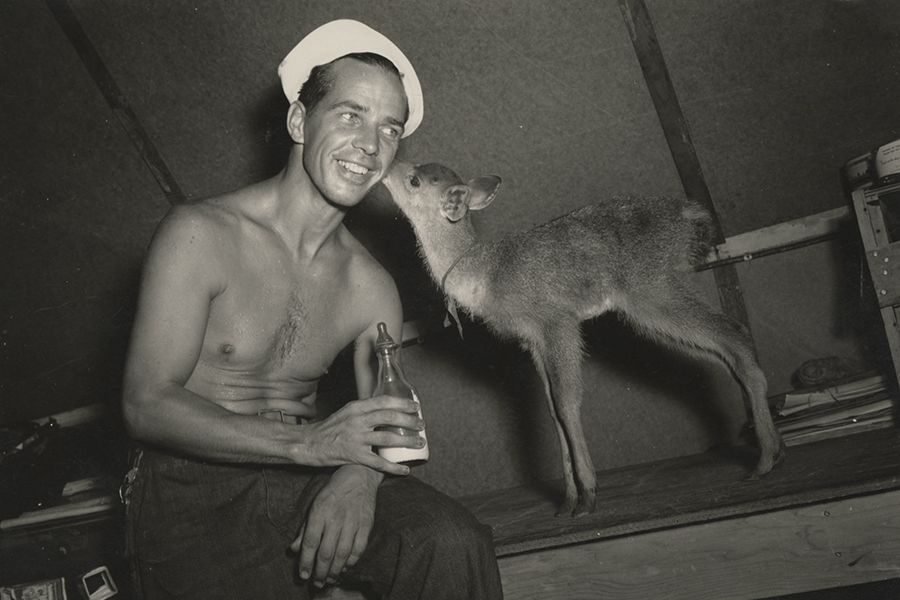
{"x":561,"y":371}
{"x":571,"y":490}
{"x":567,"y":398}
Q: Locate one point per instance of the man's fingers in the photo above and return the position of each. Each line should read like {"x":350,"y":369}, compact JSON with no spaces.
{"x":309,"y":549}
{"x":367,"y":405}
{"x":389,"y":439}
{"x":341,"y":553}
{"x":404,"y":405}
{"x":295,"y":545}
{"x":359,"y":546}
{"x":325,"y":555}
{"x":394,"y":418}
{"x":373,"y":461}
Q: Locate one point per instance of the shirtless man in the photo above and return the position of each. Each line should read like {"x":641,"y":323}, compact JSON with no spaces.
{"x":245,"y":301}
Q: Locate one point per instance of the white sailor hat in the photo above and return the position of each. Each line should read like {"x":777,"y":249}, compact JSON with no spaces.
{"x":346,"y":36}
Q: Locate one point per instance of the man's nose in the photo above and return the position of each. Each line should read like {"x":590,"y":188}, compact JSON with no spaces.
{"x":367,"y":141}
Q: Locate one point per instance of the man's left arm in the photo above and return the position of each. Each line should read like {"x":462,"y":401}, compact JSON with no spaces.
{"x":337,"y":528}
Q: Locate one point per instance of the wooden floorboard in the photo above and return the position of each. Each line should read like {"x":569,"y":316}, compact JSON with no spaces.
{"x":691,"y":490}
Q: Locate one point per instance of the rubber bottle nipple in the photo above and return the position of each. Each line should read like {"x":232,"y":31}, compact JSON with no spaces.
{"x":384,"y":341}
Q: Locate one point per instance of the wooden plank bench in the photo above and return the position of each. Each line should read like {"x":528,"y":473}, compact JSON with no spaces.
{"x":697,"y":527}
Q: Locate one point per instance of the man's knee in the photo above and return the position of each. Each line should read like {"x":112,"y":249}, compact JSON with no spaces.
{"x":427,"y":545}
{"x":451,"y":531}
{"x":418,"y":515}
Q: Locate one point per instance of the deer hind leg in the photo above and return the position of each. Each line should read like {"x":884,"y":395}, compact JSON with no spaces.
{"x":687,"y":323}
{"x":558,"y":360}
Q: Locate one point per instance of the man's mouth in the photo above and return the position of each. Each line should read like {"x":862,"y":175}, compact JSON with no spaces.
{"x":354,"y":168}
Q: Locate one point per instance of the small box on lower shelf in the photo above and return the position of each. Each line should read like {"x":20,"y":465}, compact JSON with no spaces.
{"x":50,"y":589}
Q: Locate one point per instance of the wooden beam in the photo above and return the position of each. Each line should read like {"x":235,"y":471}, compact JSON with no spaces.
{"x":779,"y":237}
{"x":678,"y":136}
{"x":116,"y":99}
{"x":77,"y":416}
{"x":665,"y":100}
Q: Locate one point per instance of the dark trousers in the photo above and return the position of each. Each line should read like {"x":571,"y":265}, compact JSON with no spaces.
{"x":202,"y":530}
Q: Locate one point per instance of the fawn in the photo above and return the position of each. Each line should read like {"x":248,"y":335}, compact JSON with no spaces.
{"x":629,"y":254}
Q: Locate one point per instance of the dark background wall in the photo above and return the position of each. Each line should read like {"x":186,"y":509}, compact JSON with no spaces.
{"x":549,"y":95}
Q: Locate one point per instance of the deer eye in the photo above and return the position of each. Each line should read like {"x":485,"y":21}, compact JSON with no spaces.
{"x":414,"y":181}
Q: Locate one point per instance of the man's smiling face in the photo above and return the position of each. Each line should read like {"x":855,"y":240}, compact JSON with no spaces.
{"x":352,"y":135}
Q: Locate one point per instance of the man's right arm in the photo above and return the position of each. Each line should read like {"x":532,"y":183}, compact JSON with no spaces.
{"x":180,"y":279}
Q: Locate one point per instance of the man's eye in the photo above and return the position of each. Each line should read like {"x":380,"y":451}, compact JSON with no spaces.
{"x":350,"y":117}
{"x":391,"y":132}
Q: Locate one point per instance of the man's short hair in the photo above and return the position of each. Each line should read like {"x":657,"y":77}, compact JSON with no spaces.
{"x":321,"y":78}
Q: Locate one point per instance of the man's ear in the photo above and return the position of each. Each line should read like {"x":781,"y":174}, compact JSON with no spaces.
{"x":296,"y":118}
{"x":455,"y":202}
{"x":484,"y":190}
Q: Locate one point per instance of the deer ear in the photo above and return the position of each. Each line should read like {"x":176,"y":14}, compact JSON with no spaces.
{"x":484,"y":190}
{"x":455,"y":202}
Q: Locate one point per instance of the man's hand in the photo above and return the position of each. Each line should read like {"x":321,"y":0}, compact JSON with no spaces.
{"x":346,"y":437}
{"x":337,"y":528}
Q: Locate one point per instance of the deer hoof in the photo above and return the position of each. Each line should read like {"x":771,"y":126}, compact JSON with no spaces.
{"x":587,"y":503}
{"x":767,"y":462}
{"x":566,"y":508}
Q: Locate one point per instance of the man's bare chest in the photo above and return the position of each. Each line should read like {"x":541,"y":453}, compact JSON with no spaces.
{"x":282,"y":324}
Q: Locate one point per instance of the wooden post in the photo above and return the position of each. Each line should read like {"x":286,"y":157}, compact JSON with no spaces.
{"x":116,"y":100}
{"x":678,"y":137}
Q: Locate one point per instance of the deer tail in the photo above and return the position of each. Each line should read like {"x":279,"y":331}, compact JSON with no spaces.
{"x":702,"y":234}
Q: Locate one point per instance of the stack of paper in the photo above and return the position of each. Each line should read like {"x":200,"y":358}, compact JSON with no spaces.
{"x":859,"y":404}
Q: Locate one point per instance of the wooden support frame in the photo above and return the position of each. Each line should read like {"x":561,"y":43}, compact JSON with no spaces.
{"x":780,"y":237}
{"x":882,"y":256}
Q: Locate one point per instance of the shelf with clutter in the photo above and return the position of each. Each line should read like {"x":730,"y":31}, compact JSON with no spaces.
{"x":61,"y":532}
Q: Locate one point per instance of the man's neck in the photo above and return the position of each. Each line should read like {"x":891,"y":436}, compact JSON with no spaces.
{"x":299,"y":213}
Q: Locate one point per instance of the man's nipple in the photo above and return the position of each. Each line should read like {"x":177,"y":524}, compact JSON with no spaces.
{"x":226,"y":349}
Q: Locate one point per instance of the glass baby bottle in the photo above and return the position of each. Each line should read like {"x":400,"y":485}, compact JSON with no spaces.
{"x":392,"y":382}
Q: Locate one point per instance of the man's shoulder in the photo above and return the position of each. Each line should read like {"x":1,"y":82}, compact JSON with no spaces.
{"x":203,"y":219}
{"x":361,"y":261}
{"x":368,"y":275}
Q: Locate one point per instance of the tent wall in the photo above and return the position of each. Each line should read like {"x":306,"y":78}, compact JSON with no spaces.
{"x":778,"y":95}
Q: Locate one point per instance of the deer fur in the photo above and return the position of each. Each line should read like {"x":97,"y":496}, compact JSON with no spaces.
{"x":629,"y":254}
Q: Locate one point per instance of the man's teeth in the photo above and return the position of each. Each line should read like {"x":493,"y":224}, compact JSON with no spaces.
{"x":353,"y":167}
